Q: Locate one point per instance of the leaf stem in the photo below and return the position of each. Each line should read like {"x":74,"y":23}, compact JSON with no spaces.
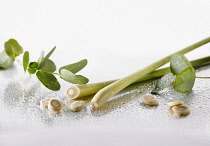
{"x":107,"y":92}
{"x":80,"y":91}
{"x":50,"y":72}
{"x":18,"y":61}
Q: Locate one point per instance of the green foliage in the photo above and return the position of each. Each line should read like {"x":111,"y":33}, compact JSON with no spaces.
{"x":182,"y":76}
{"x":50,"y":66}
{"x":72,"y":78}
{"x":45,"y":59}
{"x":13,"y":48}
{"x":25,"y":60}
{"x":48,"y":80}
{"x":75,"y":67}
{"x":31,"y":70}
{"x":164,"y":82}
{"x":185,"y":80}
{"x":44,"y":67}
{"x":178,"y":63}
{"x":5,"y":60}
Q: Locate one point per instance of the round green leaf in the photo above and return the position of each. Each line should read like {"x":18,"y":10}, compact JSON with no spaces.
{"x":48,"y":80}
{"x":13,"y":48}
{"x":72,"y":78}
{"x":164,"y":82}
{"x":25,"y":60}
{"x":178,"y":63}
{"x":50,"y":66}
{"x":33,"y":65}
{"x":185,"y":80}
{"x":5,"y":60}
{"x":31,"y":70}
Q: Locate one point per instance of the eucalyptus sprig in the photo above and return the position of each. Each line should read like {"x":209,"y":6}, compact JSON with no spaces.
{"x":44,"y":68}
{"x":182,"y":76}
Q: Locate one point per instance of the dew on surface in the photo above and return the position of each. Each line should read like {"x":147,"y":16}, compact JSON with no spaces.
{"x":19,"y":106}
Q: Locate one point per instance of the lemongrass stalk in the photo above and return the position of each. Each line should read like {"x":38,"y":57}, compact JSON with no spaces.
{"x":107,"y":92}
{"x":80,"y":91}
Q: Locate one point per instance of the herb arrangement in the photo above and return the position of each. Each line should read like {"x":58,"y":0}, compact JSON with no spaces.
{"x":181,"y":73}
{"x":44,"y":68}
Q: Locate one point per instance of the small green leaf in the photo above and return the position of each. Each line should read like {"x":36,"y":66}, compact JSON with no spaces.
{"x":164,"y":82}
{"x":31,"y":70}
{"x":45,"y":59}
{"x":75,"y":67}
{"x":13,"y":48}
{"x":25,"y":60}
{"x":5,"y":60}
{"x":33,"y":65}
{"x":48,"y":80}
{"x":41,"y":57}
{"x":72,"y":78}
{"x":50,"y":66}
{"x":178,"y":63}
{"x":185,"y":80}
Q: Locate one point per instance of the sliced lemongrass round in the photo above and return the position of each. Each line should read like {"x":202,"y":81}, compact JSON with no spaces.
{"x":175,"y":103}
{"x":44,"y":104}
{"x":72,"y":92}
{"x":180,"y":111}
{"x":54,"y":106}
{"x":150,"y":100}
{"x":77,"y":106}
{"x":68,"y":102}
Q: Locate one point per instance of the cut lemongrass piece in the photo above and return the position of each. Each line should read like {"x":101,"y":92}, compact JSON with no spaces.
{"x":77,"y":106}
{"x":175,"y":103}
{"x":54,"y":106}
{"x":107,"y":92}
{"x":150,"y":100}
{"x":44,"y":104}
{"x":84,"y":90}
{"x":181,"y":110}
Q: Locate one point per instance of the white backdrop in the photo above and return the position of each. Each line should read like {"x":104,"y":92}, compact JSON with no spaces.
{"x":117,"y":37}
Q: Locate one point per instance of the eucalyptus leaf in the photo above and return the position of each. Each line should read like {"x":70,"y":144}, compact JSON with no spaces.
{"x":178,"y":63}
{"x":50,"y":66}
{"x":33,"y":65}
{"x":41,"y":57}
{"x":48,"y":80}
{"x":185,"y":80}
{"x":45,"y":59}
{"x":75,"y":67}
{"x":5,"y":60}
{"x":164,"y":82}
{"x":72,"y":78}
{"x":13,"y":48}
{"x":31,"y":70}
{"x":25,"y":60}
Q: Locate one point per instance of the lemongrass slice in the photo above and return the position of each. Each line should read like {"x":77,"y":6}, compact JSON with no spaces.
{"x":44,"y":104}
{"x":77,"y":106}
{"x":150,"y":100}
{"x":54,"y":106}
{"x":180,"y":111}
{"x":175,"y":103}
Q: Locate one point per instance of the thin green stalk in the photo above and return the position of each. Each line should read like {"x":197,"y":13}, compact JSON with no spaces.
{"x":107,"y":92}
{"x":203,"y":77}
{"x":80,"y":91}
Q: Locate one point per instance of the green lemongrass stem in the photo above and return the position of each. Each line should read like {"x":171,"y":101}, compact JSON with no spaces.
{"x":84,"y":90}
{"x":107,"y":92}
{"x":203,"y":77}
